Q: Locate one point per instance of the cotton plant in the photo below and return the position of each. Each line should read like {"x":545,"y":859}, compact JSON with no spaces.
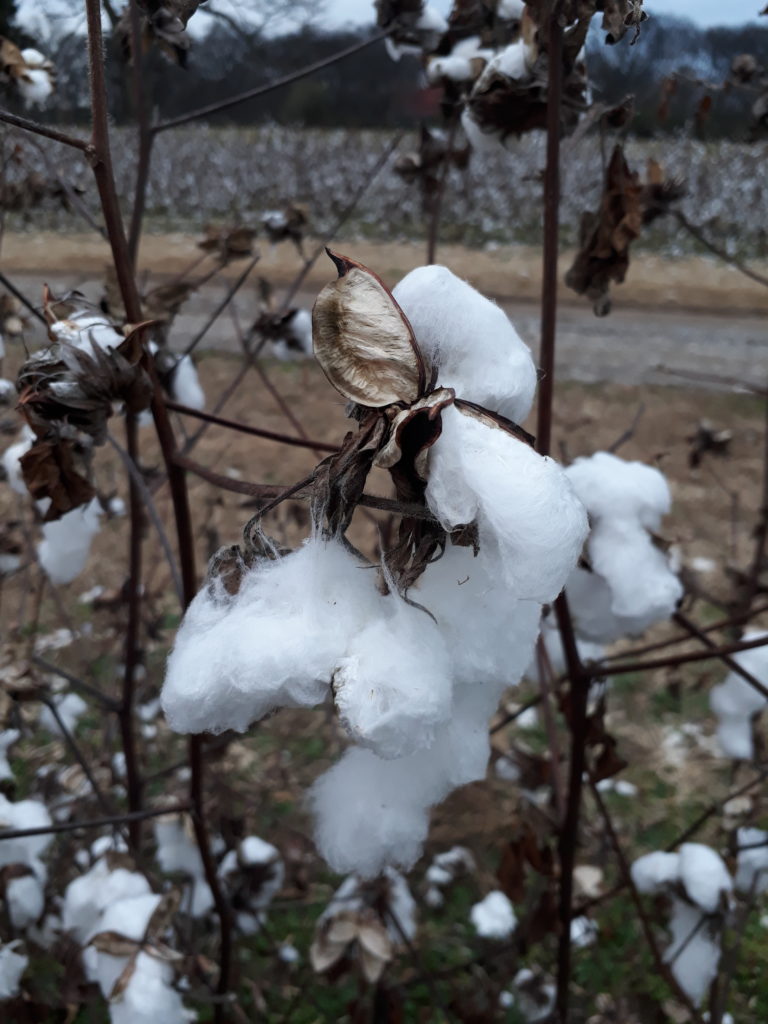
{"x":414,"y":652}
{"x":13,"y":964}
{"x":21,"y":861}
{"x":736,"y":703}
{"x":494,"y":916}
{"x":700,"y":889}
{"x":252,"y":874}
{"x":28,"y":73}
{"x":445,"y":868}
{"x":629,"y":584}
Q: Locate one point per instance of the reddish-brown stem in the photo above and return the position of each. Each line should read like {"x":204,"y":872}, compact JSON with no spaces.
{"x":47,"y":133}
{"x":600,"y":670}
{"x":262,"y":90}
{"x":244,"y":428}
{"x":732,"y":261}
{"x":626,"y":874}
{"x":437,"y":208}
{"x":233,"y":289}
{"x":734,"y":666}
{"x":546,"y":678}
{"x":146,"y":138}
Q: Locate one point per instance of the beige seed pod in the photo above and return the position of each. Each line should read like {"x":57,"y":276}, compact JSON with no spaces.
{"x":363,"y":341}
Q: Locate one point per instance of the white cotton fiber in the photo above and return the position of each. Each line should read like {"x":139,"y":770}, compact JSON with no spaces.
{"x":393,"y":687}
{"x":66,"y":542}
{"x":752,"y":862}
{"x":275,"y":644}
{"x":177,"y":852}
{"x":655,"y":871}
{"x":35,"y":86}
{"x":470,"y":341}
{"x":488,"y":634}
{"x":25,"y":897}
{"x":625,"y":500}
{"x":12,"y":966}
{"x":11,"y":463}
{"x":735,"y":701}
{"x":693,"y":960}
{"x":704,"y":876}
{"x":532,"y":526}
{"x":7,"y":739}
{"x":149,"y":997}
{"x":86,"y":897}
{"x":185,"y":384}
{"x":70,"y":708}
{"x":493,"y":917}
{"x":86,"y":331}
{"x":23,"y":814}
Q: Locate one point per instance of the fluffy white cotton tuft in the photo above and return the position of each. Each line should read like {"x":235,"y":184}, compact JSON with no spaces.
{"x":19,"y":815}
{"x":274,"y":644}
{"x":7,"y":739}
{"x":470,"y":341}
{"x":11,"y":457}
{"x":149,"y":997}
{"x":12,"y":966}
{"x":70,"y":708}
{"x":86,"y":331}
{"x":87,"y":897}
{"x":66,"y":542}
{"x":694,"y":953}
{"x":735,"y":701}
{"x":632,"y":585}
{"x":655,"y":871}
{"x":532,"y":526}
{"x":185,"y":384}
{"x":494,"y":916}
{"x":25,"y":896}
{"x":394,"y":685}
{"x":704,"y":876}
{"x":35,"y":86}
{"x":177,"y":852}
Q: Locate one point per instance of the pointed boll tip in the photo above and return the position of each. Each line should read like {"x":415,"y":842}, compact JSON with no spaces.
{"x":342,"y":263}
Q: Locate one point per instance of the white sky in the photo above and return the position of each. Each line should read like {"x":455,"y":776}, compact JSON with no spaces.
{"x":703,"y":12}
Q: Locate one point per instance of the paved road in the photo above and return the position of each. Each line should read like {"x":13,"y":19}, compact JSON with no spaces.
{"x":628,"y":346}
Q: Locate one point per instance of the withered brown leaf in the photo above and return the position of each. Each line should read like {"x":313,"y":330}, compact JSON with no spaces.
{"x":363,"y":341}
{"x":49,"y":471}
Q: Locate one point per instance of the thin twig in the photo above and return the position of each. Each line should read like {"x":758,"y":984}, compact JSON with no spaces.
{"x":601,"y":669}
{"x":48,"y":133}
{"x":245,"y":428}
{"x":734,"y":666}
{"x":733,"y":261}
{"x":74,"y":826}
{"x":231,"y":292}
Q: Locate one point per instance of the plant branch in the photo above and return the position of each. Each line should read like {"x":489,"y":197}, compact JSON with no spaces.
{"x":47,"y":133}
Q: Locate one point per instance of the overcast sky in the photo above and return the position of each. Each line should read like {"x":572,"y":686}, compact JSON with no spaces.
{"x":703,"y":12}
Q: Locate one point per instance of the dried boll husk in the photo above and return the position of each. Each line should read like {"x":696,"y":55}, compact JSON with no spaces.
{"x":363,"y":341}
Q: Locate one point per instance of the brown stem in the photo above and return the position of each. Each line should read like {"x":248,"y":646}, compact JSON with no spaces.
{"x":262,"y":90}
{"x":48,"y":133}
{"x":601,"y":670}
{"x":74,"y":826}
{"x":732,"y":261}
{"x":661,"y":966}
{"x":546,"y":678}
{"x":434,"y":221}
{"x":244,"y":428}
{"x":734,"y":666}
{"x":218,"y":310}
{"x":9,"y":286}
{"x":146,"y":138}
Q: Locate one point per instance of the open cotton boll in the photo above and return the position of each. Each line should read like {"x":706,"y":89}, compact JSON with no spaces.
{"x":12,"y":966}
{"x":23,"y":814}
{"x":176,"y":852}
{"x":470,"y":340}
{"x":372,"y":813}
{"x":529,"y":518}
{"x":274,"y":644}
{"x":590,"y":600}
{"x":693,"y":954}
{"x":86,"y":331}
{"x":66,"y":542}
{"x":612,"y":488}
{"x":185,"y":384}
{"x":735,"y":701}
{"x":35,"y":86}
{"x":86,"y":897}
{"x":25,"y":897}
{"x":493,"y":917}
{"x":488,"y":634}
{"x":655,"y":871}
{"x":129,"y":918}
{"x":704,"y":876}
{"x":7,"y":739}
{"x":11,"y":463}
{"x":510,"y":10}
{"x":752,"y":862}
{"x":393,"y":687}
{"x":149,"y":997}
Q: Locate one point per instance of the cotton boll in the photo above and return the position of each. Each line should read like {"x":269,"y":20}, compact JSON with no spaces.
{"x":25,"y":897}
{"x":35,"y":86}
{"x":149,"y":997}
{"x":752,"y":863}
{"x":583,"y":932}
{"x":12,"y":966}
{"x":532,"y":526}
{"x":11,"y":463}
{"x":488,"y":634}
{"x":704,"y":875}
{"x":470,"y":340}
{"x":276,"y":643}
{"x":458,"y":69}
{"x":66,"y":542}
{"x":7,"y":739}
{"x":612,"y":488}
{"x":128,"y":917}
{"x":86,"y":897}
{"x":494,"y":916}
{"x":655,"y":871}
{"x":185,"y":384}
{"x":394,"y":685}
{"x":176,"y":852}
{"x":23,"y":814}
{"x":510,"y":10}
{"x":85,"y":331}
{"x":735,"y":701}
{"x":693,"y":954}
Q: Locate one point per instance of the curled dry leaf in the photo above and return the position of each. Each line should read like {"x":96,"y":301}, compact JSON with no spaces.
{"x":414,"y":430}
{"x":363,"y":340}
{"x":50,"y":470}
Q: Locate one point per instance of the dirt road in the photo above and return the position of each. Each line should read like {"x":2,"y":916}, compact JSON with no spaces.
{"x":692,"y":315}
